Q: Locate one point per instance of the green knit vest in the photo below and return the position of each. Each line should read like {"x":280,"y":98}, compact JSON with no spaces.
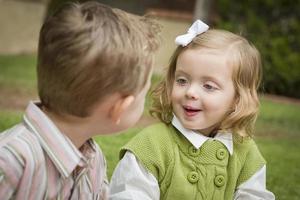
{"x":184,"y":172}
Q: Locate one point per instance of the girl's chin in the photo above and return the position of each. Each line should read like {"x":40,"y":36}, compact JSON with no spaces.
{"x":197,"y":128}
{"x":192,"y":127}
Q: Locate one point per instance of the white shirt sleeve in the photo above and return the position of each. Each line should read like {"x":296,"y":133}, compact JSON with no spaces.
{"x":131,"y":180}
{"x":254,"y":188}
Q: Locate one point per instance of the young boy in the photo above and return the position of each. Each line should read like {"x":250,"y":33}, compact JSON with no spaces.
{"x":93,"y":71}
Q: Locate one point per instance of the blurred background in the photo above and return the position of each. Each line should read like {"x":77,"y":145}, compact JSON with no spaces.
{"x":272,"y":25}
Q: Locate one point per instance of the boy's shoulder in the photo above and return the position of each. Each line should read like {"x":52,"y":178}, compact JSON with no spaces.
{"x":10,"y":135}
{"x":18,"y":145}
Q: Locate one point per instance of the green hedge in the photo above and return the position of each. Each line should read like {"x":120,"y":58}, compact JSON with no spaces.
{"x":274,"y":27}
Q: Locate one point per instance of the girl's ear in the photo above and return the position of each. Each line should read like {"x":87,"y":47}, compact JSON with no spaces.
{"x":235,"y":102}
{"x":234,"y":105}
{"x":120,"y":106}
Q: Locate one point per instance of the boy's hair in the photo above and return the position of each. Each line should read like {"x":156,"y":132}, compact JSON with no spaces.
{"x":88,"y":51}
{"x":246,"y":77}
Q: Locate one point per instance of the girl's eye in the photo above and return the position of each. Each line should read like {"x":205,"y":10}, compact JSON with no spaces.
{"x":209,"y":87}
{"x":181,"y":81}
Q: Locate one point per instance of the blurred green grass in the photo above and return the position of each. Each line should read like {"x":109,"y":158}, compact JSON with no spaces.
{"x":18,"y":71}
{"x":277,"y":129}
{"x":278,"y":119}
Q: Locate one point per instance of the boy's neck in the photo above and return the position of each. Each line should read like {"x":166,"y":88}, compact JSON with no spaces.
{"x":80,"y":129}
{"x":77,"y":129}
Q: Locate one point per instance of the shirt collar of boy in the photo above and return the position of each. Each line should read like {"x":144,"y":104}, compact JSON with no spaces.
{"x":63,"y":153}
{"x":197,"y":140}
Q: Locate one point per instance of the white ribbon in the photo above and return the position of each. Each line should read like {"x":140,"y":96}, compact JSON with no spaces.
{"x":197,"y":28}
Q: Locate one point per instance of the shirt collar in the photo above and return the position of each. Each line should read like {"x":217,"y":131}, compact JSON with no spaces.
{"x":58,"y":147}
{"x":197,"y":139}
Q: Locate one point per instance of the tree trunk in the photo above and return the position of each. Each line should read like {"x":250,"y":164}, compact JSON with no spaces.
{"x":202,"y":10}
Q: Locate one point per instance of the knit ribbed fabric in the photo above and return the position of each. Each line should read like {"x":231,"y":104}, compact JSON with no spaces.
{"x":184,"y":172}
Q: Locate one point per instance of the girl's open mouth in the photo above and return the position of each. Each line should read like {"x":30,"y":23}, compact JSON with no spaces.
{"x":190,"y":111}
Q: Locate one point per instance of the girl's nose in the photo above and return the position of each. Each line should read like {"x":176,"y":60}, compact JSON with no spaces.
{"x":192,"y":92}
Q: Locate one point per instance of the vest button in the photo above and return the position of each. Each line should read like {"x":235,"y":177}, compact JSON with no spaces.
{"x":193,"y":151}
{"x":219,"y":180}
{"x":221,"y":154}
{"x":193,"y":177}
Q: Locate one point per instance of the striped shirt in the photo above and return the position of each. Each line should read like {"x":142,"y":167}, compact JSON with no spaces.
{"x":38,"y":162}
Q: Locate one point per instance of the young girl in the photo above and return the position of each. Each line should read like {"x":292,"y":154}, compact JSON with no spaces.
{"x":203,"y":148}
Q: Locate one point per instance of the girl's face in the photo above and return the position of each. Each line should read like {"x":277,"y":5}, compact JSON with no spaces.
{"x":203,"y":92}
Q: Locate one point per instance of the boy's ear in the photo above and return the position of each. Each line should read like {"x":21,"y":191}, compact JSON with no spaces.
{"x":120,"y":106}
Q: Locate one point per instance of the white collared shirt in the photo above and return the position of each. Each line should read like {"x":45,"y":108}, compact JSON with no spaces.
{"x":131,"y":180}
{"x":197,"y":139}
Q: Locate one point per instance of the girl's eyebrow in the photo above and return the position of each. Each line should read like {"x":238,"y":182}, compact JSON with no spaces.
{"x":206,"y":78}
{"x":181,"y":72}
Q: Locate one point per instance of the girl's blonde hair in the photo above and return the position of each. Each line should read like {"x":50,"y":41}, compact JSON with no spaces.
{"x":246,"y":76}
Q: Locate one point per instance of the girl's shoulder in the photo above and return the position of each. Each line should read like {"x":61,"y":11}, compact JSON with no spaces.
{"x":155,"y":131}
{"x":153,"y":147}
{"x":242,"y":141}
{"x":246,"y":149}
{"x":152,"y":137}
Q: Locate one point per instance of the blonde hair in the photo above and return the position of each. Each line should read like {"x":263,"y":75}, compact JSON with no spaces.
{"x":246,"y":77}
{"x":88,"y":51}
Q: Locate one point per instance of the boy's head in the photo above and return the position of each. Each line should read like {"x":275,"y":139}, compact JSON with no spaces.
{"x":89,"y":51}
{"x":246,"y":75}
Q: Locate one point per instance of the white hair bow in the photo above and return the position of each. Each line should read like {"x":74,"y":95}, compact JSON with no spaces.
{"x":197,"y":28}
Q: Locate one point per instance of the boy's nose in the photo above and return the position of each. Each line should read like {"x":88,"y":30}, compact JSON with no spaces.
{"x":192,"y":92}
